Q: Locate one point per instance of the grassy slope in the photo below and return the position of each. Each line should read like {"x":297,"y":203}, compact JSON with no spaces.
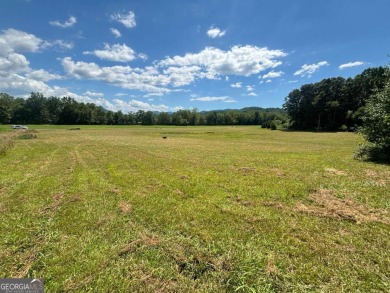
{"x":207,"y":209}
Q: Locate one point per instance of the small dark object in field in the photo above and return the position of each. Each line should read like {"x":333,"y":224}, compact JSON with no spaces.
{"x":164,"y":137}
{"x":77,"y":128}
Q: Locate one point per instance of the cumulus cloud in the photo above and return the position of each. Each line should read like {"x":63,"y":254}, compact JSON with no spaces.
{"x":135,"y":105}
{"x":12,"y":40}
{"x":249,"y":88}
{"x":115,"y":32}
{"x":43,"y":75}
{"x":225,"y":99}
{"x":272,"y":74}
{"x":148,"y":79}
{"x":239,"y":60}
{"x":68,"y":23}
{"x":252,"y":94}
{"x":351,"y":64}
{"x":173,"y":72}
{"x":308,"y":70}
{"x":116,"y":52}
{"x":215,"y":32}
{"x":180,"y":76}
{"x":59,"y":45}
{"x":13,"y":63}
{"x":93,"y":94}
{"x":127,"y":19}
{"x":236,"y":85}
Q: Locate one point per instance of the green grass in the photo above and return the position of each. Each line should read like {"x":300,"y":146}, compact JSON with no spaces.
{"x":208,"y":209}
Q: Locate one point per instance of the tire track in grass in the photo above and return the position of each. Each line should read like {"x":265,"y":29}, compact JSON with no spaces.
{"x":32,"y":233}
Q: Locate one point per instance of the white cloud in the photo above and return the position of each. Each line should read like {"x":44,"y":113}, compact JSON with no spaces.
{"x":273,"y":74}
{"x":12,"y":40}
{"x":308,"y":70}
{"x":42,"y":75}
{"x":293,"y":81}
{"x":215,"y":32}
{"x":224,"y":99}
{"x":249,"y":88}
{"x":236,"y":85}
{"x":180,"y":76}
{"x":115,"y":32}
{"x":239,"y":60}
{"x":351,"y":64}
{"x":252,"y":94}
{"x":59,"y":44}
{"x":117,"y":52}
{"x":93,"y":94}
{"x":13,"y":63}
{"x":135,"y":105}
{"x":148,"y":79}
{"x":127,"y":19}
{"x":142,"y":56}
{"x":178,"y":71}
{"x":68,"y":23}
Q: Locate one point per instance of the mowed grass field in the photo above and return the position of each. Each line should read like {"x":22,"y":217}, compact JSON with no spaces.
{"x":208,"y":209}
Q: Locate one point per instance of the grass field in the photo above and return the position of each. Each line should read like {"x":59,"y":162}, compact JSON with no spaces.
{"x":208,"y":209}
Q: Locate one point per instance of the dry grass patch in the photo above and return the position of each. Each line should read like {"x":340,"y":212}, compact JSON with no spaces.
{"x":275,"y":204}
{"x":379,"y":179}
{"x":125,"y":207}
{"x":246,"y":170}
{"x":143,"y":240}
{"x":335,"y":172}
{"x":327,"y":205}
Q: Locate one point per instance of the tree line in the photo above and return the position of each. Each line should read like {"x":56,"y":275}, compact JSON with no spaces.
{"x":334,"y":103}
{"x":38,"y":109}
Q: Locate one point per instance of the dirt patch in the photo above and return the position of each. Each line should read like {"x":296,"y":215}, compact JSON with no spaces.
{"x":115,"y":190}
{"x":327,"y":205}
{"x":336,"y":172}
{"x":125,"y":207}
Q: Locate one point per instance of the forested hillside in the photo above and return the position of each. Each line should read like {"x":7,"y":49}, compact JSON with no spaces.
{"x":333,"y":103}
{"x":38,"y":109}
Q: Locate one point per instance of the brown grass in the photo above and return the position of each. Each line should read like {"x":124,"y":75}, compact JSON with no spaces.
{"x":125,"y":207}
{"x":335,"y":172}
{"x":143,"y":240}
{"x":327,"y":205}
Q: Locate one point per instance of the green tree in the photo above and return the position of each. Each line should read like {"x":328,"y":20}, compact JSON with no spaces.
{"x":376,"y":126}
{"x":6,"y":108}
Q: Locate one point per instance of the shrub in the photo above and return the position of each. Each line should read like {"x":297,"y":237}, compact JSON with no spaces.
{"x":343,"y":128}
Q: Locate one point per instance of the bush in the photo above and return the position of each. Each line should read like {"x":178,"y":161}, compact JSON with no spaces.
{"x":27,"y":136}
{"x":371,"y":152}
{"x":343,"y":128}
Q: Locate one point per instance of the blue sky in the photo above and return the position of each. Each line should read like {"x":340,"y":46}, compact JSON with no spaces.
{"x":178,"y":54}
